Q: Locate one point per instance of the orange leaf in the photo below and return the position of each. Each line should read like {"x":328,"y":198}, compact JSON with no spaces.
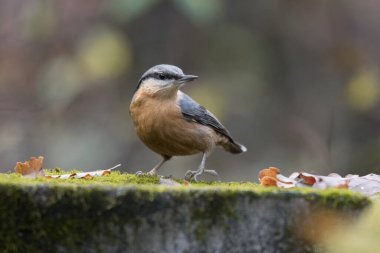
{"x":268,"y":176}
{"x":269,"y":172}
{"x":33,"y":167}
{"x":268,"y":181}
{"x":308,"y":179}
{"x":106,"y":172}
{"x":87,"y":176}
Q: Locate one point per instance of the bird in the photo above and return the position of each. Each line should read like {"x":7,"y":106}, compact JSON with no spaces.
{"x":171,"y":123}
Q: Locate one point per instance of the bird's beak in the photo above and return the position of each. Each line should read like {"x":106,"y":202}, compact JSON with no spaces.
{"x":186,"y":78}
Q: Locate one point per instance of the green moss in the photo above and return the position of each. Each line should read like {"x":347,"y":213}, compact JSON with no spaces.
{"x":213,"y":209}
{"x":115,"y":178}
{"x":38,"y":215}
{"x":335,"y":198}
{"x":59,"y":171}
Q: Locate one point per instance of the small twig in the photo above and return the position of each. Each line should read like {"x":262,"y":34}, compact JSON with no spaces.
{"x":114,"y":167}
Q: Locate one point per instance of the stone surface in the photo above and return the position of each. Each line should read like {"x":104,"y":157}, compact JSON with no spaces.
{"x":72,"y":218}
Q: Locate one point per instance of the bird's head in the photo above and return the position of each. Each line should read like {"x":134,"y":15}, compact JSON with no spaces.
{"x":164,"y":78}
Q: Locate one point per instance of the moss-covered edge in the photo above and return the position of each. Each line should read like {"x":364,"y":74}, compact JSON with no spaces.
{"x":335,"y":198}
{"x":39,"y":215}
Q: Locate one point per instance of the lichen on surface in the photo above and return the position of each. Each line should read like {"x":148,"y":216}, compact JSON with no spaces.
{"x":334,"y":197}
{"x":114,"y":212}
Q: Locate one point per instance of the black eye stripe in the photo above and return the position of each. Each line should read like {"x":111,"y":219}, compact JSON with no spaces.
{"x":171,"y":73}
{"x":165,"y":76}
{"x":161,"y":76}
{"x":156,"y":75}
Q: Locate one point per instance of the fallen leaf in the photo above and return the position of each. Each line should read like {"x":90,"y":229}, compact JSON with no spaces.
{"x":268,"y":181}
{"x":334,"y":175}
{"x":269,"y":172}
{"x":368,"y":185}
{"x":308,"y":178}
{"x":271,"y":177}
{"x":30,"y":168}
{"x":85,"y":175}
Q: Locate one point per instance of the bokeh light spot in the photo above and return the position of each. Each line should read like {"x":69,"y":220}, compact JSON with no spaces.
{"x":38,"y":20}
{"x":60,"y":81}
{"x":200,"y":11}
{"x":104,"y":53}
{"x":125,"y":10}
{"x":363,"y":91}
{"x":210,"y":98}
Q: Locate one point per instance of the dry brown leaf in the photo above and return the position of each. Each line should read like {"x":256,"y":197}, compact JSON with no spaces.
{"x":31,"y":168}
{"x":84,"y":175}
{"x":334,"y":175}
{"x":269,"y":172}
{"x":271,"y":177}
{"x":268,"y":181}
{"x":106,"y":172}
{"x":368,"y":185}
{"x":308,"y":178}
{"x":88,"y":176}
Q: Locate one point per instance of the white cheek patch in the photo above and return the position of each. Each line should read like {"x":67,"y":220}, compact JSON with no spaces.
{"x":164,"y":83}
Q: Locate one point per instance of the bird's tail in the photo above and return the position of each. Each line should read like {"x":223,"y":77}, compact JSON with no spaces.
{"x":234,"y":147}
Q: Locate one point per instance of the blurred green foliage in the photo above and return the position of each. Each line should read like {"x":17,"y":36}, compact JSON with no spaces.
{"x":37,"y":20}
{"x":200,"y":11}
{"x":104,"y":53}
{"x":361,"y":236}
{"x":297,"y":82}
{"x":363,"y":90}
{"x":126,"y":10}
{"x":57,"y":93}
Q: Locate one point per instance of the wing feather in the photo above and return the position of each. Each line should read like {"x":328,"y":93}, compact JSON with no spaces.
{"x":193,"y":111}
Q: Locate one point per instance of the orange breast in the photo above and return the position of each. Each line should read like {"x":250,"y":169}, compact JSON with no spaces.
{"x":160,"y":125}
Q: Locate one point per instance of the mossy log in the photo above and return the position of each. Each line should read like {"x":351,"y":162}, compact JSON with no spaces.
{"x":90,"y":216}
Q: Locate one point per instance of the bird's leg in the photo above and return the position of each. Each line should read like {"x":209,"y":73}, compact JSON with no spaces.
{"x":191,"y":174}
{"x":153,"y":172}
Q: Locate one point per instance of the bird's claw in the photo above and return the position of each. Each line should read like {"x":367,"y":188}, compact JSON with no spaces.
{"x":212,"y":172}
{"x":190,"y":174}
{"x":148,"y":174}
{"x":139,"y":173}
{"x":194,"y":174}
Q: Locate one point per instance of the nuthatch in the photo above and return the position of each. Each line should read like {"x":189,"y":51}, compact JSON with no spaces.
{"x":172,"y":124}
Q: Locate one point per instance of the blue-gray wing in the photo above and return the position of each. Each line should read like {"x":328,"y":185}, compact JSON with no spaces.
{"x":193,"y":111}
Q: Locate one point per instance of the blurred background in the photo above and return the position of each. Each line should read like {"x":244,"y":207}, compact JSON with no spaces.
{"x":295,"y":81}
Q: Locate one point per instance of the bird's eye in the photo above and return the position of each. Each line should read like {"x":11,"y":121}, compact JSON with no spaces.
{"x":161,"y":76}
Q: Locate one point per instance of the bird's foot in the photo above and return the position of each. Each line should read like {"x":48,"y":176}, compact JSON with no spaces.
{"x":152,"y":173}
{"x":212,"y":172}
{"x":189,"y":175}
{"x":194,"y":174}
